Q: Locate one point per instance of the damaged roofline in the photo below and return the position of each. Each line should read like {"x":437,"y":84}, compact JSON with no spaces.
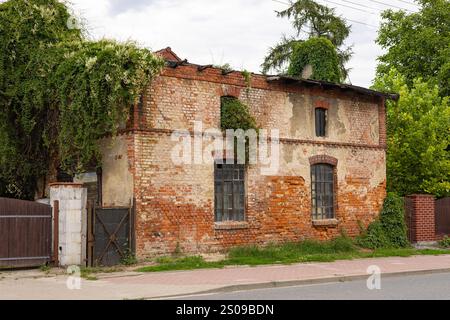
{"x":342,"y":86}
{"x":173,"y":61}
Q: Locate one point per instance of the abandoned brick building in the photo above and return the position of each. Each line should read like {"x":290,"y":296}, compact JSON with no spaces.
{"x":332,"y":163}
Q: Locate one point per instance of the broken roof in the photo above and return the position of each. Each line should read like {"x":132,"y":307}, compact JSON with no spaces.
{"x":326,"y":84}
{"x":173,"y":61}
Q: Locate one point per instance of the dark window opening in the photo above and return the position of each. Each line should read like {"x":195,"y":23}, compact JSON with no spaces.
{"x":63,"y":176}
{"x":229,"y":190}
{"x":321,"y":122}
{"x":99,"y":173}
{"x":322,"y":191}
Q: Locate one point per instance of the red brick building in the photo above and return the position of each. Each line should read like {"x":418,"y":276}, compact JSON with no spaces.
{"x":331,"y":176}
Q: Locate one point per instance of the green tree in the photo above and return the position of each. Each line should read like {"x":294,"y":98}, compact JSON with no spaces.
{"x":320,"y":21}
{"x":418,"y":44}
{"x":418,"y":135}
{"x":59,"y":93}
{"x":321,"y":55}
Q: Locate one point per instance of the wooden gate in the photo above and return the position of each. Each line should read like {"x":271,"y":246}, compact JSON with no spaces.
{"x":442,"y":216}
{"x":110,"y":235}
{"x":25,"y":233}
{"x":409,"y":210}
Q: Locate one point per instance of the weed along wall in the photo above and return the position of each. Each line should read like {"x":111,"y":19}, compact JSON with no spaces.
{"x":178,"y":206}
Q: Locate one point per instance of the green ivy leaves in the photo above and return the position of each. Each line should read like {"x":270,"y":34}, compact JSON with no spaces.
{"x":321,"y":55}
{"x":59,"y":92}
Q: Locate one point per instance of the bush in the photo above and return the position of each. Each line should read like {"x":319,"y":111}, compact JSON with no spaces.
{"x":374,"y":237}
{"x":235,"y":115}
{"x":389,"y":230}
{"x":445,"y":242}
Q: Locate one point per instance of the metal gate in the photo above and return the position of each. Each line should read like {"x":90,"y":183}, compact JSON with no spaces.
{"x":442,"y":216}
{"x":25,"y":233}
{"x":110,"y":236}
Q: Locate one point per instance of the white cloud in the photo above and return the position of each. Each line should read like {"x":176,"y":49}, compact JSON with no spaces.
{"x":238,"y":32}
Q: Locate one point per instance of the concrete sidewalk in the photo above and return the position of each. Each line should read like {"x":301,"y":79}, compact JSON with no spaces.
{"x":33,"y":285}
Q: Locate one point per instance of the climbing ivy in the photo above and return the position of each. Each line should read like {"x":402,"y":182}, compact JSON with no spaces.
{"x":321,"y":55}
{"x":247,"y":78}
{"x":59,"y":92}
{"x":389,"y":230}
{"x":236,"y":115}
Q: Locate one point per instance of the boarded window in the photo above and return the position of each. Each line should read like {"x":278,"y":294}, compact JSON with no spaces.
{"x":321,"y":122}
{"x":229,"y":187}
{"x":322,"y":191}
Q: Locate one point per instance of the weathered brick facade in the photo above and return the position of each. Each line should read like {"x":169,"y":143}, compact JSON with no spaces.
{"x":175,"y":203}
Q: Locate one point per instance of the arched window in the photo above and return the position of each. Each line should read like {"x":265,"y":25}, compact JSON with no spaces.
{"x":322,"y":191}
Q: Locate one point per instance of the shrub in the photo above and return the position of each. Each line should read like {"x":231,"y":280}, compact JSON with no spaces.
{"x":393,"y":221}
{"x":389,"y":230}
{"x":445,"y":242}
{"x":235,"y":115}
{"x":374,"y":237}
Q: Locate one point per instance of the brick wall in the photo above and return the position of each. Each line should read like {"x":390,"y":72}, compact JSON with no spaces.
{"x":175,"y":204}
{"x":420,"y":213}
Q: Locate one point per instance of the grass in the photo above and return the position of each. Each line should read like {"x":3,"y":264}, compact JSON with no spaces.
{"x":45,"y":268}
{"x":88,"y":273}
{"x":341,"y":248}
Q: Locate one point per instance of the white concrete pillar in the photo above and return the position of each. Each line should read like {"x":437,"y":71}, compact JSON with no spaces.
{"x":72,"y":199}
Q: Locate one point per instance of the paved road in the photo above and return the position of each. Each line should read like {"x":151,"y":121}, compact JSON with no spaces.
{"x":430,"y":286}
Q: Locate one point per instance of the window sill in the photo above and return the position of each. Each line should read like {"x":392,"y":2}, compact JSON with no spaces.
{"x":231,"y":225}
{"x":325,"y":223}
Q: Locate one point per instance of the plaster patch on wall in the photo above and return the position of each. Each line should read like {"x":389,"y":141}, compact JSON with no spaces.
{"x":335,"y":116}
{"x":299,"y":118}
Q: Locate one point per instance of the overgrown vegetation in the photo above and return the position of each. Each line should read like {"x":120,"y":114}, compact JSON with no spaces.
{"x":234,"y":114}
{"x":247,"y":78}
{"x":320,"y":55}
{"x":341,"y":248}
{"x":59,"y":92}
{"x":89,"y":273}
{"x":389,"y":230}
{"x":129,"y":259}
{"x":319,"y":21}
{"x":226,"y":67}
{"x":445,"y":242}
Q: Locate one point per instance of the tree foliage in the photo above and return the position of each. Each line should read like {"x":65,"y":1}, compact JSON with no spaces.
{"x":418,"y":44}
{"x":321,"y":55}
{"x":418,"y":137}
{"x":59,"y":93}
{"x":320,"y":21}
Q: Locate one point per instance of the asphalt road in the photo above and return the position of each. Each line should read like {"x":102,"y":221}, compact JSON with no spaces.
{"x":427,"y":287}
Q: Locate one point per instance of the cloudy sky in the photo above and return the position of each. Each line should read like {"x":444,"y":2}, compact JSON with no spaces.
{"x":238,"y":32}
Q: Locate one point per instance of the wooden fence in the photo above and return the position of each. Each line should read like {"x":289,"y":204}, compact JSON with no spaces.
{"x":25,"y":233}
{"x":442,"y":216}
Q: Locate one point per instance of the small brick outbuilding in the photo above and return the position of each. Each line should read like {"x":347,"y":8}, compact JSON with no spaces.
{"x":331,"y":175}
